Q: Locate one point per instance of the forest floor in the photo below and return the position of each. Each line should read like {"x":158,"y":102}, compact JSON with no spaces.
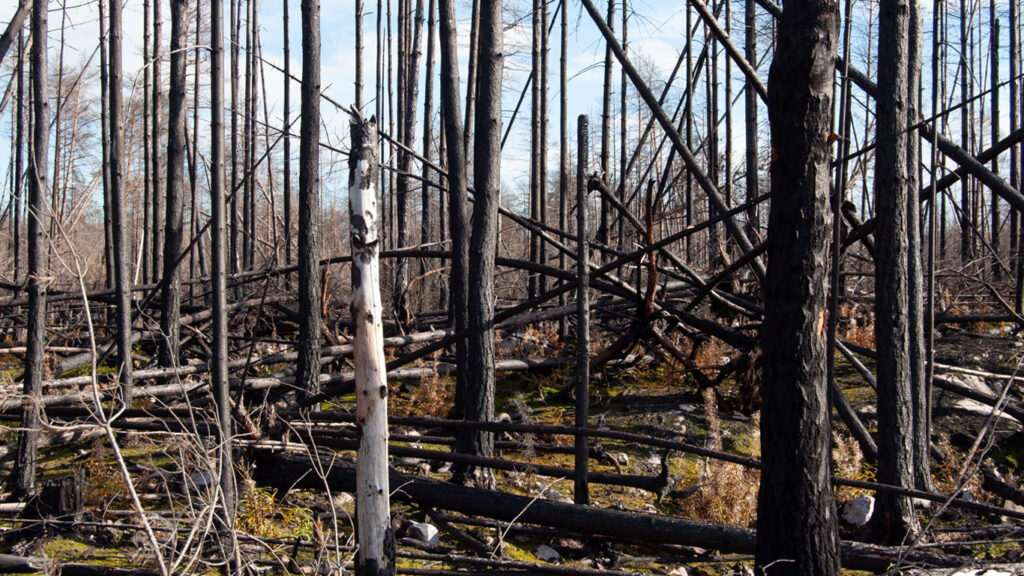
{"x":293,"y":531}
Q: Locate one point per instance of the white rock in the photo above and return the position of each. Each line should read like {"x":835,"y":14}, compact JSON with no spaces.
{"x":679,"y":571}
{"x":622,"y":458}
{"x":858,"y":511}
{"x":546,"y":553}
{"x":425,"y":533}
{"x":342,"y":499}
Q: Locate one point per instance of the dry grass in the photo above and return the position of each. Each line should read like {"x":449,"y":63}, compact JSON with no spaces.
{"x":433,"y":397}
{"x":729,"y":491}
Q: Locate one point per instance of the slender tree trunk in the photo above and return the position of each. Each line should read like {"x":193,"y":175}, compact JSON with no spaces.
{"x":57,"y":209}
{"x":542,"y":157}
{"x":581,"y":494}
{"x":796,"y":520}
{"x":623,"y":132}
{"x":458,"y":219}
{"x":19,"y":146}
{"x":218,"y":264}
{"x":477,"y":402}
{"x":606,"y":120}
{"x":750,"y":115}
{"x":535,"y":184}
{"x":919,"y":384}
{"x":38,"y":220}
{"x":108,"y":228}
{"x":895,"y":514}
{"x":308,"y":366}
{"x":171,"y":305}
{"x":359,"y":57}
{"x":155,"y":145}
{"x":408,"y":107}
{"x":471,"y":85}
{"x":563,"y":153}
{"x":193,"y":170}
{"x":286,"y":126}
{"x":376,"y":554}
{"x":1014,"y":17}
{"x":966,"y":195}
{"x":995,"y":264}
{"x":233,"y":186}
{"x":426,"y":187}
{"x":147,"y":162}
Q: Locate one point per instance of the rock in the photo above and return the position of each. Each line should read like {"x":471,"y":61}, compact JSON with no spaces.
{"x":858,"y":511}
{"x":546,"y":553}
{"x":679,"y":571}
{"x":425,"y":533}
{"x":423,"y":469}
{"x":622,"y":458}
{"x":1013,"y":506}
{"x":342,"y":499}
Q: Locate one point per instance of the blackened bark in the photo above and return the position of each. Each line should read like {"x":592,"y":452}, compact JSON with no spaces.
{"x":606,"y":105}
{"x":796,"y":520}
{"x":119,"y":233}
{"x":38,"y":219}
{"x":157,"y":184}
{"x":426,"y":187}
{"x":174,"y":217}
{"x":919,"y":388}
{"x":894,"y":515}
{"x":19,"y":147}
{"x":581,"y":493}
{"x":218,"y":263}
{"x":287,"y":143}
{"x":750,"y":111}
{"x":458,"y":220}
{"x":477,"y":402}
{"x":108,"y":240}
{"x":308,"y":366}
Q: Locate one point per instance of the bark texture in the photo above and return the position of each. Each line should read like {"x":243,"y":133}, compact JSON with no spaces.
{"x":796,"y":520}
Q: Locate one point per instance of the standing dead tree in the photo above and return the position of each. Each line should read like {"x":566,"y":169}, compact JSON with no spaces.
{"x":796,"y":520}
{"x":38,"y":220}
{"x":376,"y":555}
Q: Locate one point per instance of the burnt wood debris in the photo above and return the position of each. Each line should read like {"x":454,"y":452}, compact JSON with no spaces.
{"x":567,"y":287}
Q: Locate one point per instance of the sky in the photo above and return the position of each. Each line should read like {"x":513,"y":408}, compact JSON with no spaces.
{"x":656,"y":36}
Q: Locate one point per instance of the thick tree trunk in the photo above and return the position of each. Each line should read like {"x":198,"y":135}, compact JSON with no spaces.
{"x":796,"y":520}
{"x":119,"y":232}
{"x":895,"y":514}
{"x":308,"y":366}
{"x":219,"y":265}
{"x":458,"y":220}
{"x":174,"y":217}
{"x":38,"y":220}
{"x":477,"y":401}
{"x":376,"y":555}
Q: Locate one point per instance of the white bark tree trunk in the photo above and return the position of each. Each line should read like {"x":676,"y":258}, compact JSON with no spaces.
{"x":376,"y":554}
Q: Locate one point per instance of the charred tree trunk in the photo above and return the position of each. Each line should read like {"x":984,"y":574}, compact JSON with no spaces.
{"x":287,"y":145}
{"x":157,"y":184}
{"x":376,"y":554}
{"x":581,"y":494}
{"x":38,"y":220}
{"x":750,"y":102}
{"x":219,"y":265}
{"x":119,"y":232}
{"x":606,"y":122}
{"x":147,"y":156}
{"x":477,"y":401}
{"x":796,"y":520}
{"x":174,"y":217}
{"x":458,"y":220}
{"x":308,"y":366}
{"x":426,"y":187}
{"x":895,"y":514}
{"x":19,"y":146}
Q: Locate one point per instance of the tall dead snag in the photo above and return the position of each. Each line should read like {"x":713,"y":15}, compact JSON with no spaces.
{"x":458,"y":220}
{"x":376,"y":555}
{"x":157,"y":184}
{"x":750,"y":114}
{"x":119,"y":236}
{"x":307,"y":371}
{"x":476,"y":402}
{"x":38,"y":220}
{"x":582,"y":491}
{"x":796,"y":519}
{"x":286,"y":128}
{"x":895,"y":514}
{"x":919,"y":383}
{"x":170,"y":310}
{"x":218,"y":262}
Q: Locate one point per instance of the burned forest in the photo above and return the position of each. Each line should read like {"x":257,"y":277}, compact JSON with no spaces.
{"x":511,"y":287}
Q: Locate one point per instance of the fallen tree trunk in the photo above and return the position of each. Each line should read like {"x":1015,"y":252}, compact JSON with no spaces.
{"x":297,"y":470}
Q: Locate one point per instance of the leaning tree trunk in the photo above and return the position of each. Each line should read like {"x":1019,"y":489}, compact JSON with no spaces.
{"x":477,"y":400}
{"x":895,"y":514}
{"x":796,"y":520}
{"x":219,"y":265}
{"x":38,"y":219}
{"x":119,"y":234}
{"x":376,"y":555}
{"x":174,"y":217}
{"x":458,"y":221}
{"x":307,"y":370}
